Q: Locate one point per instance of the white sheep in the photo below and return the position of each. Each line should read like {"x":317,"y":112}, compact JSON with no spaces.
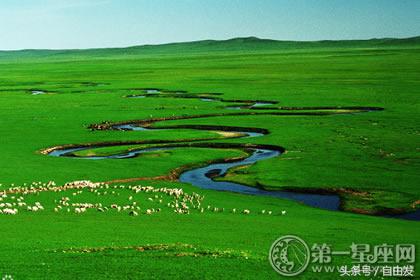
{"x":133,"y":213}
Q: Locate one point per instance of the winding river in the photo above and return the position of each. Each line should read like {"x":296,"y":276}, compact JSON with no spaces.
{"x":203,"y":177}
{"x":199,"y":176}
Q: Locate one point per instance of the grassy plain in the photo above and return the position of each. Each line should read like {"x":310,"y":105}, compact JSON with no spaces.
{"x":375,"y":152}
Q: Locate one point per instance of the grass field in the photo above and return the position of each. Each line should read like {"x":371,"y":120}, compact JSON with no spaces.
{"x":371,"y":159}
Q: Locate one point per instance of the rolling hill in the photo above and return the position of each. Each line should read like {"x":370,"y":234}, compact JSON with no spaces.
{"x":248,"y":44}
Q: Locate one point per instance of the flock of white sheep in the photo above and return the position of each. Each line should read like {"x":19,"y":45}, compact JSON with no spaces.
{"x":21,"y":199}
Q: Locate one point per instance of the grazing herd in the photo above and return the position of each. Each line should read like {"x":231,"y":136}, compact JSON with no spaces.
{"x":106,"y":198}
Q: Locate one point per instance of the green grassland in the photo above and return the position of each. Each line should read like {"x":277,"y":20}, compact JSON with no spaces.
{"x":374,"y":153}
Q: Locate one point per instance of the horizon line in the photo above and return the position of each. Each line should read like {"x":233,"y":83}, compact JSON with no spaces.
{"x":204,"y":40}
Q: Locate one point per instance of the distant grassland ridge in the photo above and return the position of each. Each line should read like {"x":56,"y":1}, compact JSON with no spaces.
{"x":249,"y":44}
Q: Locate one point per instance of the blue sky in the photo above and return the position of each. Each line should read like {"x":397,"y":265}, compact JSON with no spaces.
{"x":59,"y":24}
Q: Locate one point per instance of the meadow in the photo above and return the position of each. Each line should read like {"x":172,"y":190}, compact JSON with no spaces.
{"x":370,"y":158}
